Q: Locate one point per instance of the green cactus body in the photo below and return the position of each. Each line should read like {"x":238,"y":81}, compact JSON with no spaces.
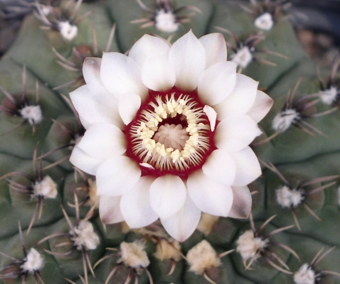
{"x":65,"y":228}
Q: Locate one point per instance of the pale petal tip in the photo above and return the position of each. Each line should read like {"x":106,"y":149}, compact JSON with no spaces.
{"x":105,"y":219}
{"x":242,"y":203}
{"x":146,"y":165}
{"x":92,"y":62}
{"x":262,"y":105}
{"x":212,"y":115}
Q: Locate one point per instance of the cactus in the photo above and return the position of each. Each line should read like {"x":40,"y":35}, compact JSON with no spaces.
{"x":51,"y":228}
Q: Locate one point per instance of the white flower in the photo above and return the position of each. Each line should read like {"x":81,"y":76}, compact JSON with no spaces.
{"x":149,"y":140}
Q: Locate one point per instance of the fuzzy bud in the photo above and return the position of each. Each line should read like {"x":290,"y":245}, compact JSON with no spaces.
{"x":242,"y":57}
{"x":166,"y":21}
{"x":283,"y":120}
{"x":202,"y":257}
{"x":84,"y":236}
{"x":93,"y":197}
{"x":248,"y":246}
{"x":46,"y":10}
{"x":168,"y":250}
{"x":46,"y":188}
{"x":67,"y":30}
{"x":133,"y":255}
{"x":305,"y":275}
{"x":33,"y":261}
{"x":32,"y":114}
{"x":288,"y":198}
{"x":329,"y":96}
{"x":264,"y":22}
{"x":206,"y":223}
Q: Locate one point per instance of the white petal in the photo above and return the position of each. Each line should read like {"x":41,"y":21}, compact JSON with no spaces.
{"x":91,"y":70}
{"x":95,"y":105}
{"x":116,"y":176}
{"x":212,"y":115}
{"x":217,"y":82}
{"x":215,"y":48}
{"x":102,"y":141}
{"x":158,"y":74}
{"x":135,"y":205}
{"x":220,"y":167}
{"x":181,"y":225}
{"x":240,"y":100}
{"x":187,"y":56}
{"x":209,"y":196}
{"x":235,"y":132}
{"x":167,"y":195}
{"x":149,"y":45}
{"x":263,"y":104}
{"x":120,"y":75}
{"x":247,"y":167}
{"x":109,"y":209}
{"x":146,"y":165}
{"x":128,"y":106}
{"x":242,"y":202}
{"x":84,"y":161}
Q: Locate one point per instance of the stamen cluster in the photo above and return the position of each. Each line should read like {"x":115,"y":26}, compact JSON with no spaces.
{"x":171,"y":133}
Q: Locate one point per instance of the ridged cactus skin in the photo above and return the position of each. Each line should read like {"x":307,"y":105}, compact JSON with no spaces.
{"x":27,"y":149}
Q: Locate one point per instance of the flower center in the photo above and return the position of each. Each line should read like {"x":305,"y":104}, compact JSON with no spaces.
{"x":170,"y":134}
